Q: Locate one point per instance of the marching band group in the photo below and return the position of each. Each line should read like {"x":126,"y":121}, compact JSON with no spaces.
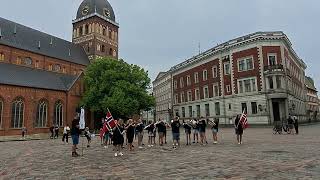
{"x":135,"y":129}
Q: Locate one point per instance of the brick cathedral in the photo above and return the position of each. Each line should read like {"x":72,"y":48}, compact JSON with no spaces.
{"x":41,"y":80}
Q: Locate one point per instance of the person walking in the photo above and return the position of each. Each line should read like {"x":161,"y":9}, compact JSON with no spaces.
{"x":75,"y":133}
{"x":215,"y":129}
{"x":290,"y":124}
{"x":296,"y":124}
{"x":118,"y":138}
{"x":238,"y":128}
{"x":66,"y":130}
{"x":175,"y":127}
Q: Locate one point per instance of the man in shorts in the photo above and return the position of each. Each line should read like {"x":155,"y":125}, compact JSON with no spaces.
{"x":175,"y":126}
{"x":75,"y":133}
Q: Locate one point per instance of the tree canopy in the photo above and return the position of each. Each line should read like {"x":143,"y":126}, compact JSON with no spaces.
{"x":117,"y":85}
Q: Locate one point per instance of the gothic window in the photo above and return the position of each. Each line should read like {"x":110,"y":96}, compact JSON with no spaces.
{"x":102,"y":48}
{"x":42,"y":114}
{"x":58,"y":114}
{"x":17,"y":113}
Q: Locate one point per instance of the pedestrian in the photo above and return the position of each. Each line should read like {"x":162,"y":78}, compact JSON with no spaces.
{"x":296,"y":124}
{"x":187,"y":129}
{"x":195,"y":131}
{"x":52,"y":132}
{"x":130,"y":134}
{"x":215,"y":129}
{"x":175,"y":127}
{"x":117,"y":137}
{"x":23,"y":132}
{"x":56,"y":131}
{"x":202,"y":130}
{"x":66,"y":130}
{"x":238,"y":129}
{"x":139,"y":129}
{"x":75,"y":133}
{"x":161,"y":126}
{"x":87,"y":134}
{"x":290,"y":124}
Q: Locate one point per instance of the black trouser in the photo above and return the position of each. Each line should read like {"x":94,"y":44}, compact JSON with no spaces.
{"x":65,"y":136}
{"x":51,"y":134}
{"x":296,"y":127}
{"x":56,"y":134}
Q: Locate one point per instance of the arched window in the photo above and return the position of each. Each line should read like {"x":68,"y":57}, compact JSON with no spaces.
{"x":103,"y":48}
{"x":80,"y":30}
{"x":58,"y":114}
{"x":17,"y":113}
{"x":110,"y":51}
{"x":42,"y":114}
{"x":1,"y":111}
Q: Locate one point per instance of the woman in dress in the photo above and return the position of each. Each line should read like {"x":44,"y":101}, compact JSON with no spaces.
{"x":118,"y":138}
{"x":130,"y":133}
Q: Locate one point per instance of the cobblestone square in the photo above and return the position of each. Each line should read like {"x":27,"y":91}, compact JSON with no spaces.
{"x":261,"y":156}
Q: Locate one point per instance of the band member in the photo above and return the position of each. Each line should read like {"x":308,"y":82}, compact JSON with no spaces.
{"x":195,"y":131}
{"x":187,"y":129}
{"x":238,"y":128}
{"x":139,"y":129}
{"x":150,"y":128}
{"x":75,"y":133}
{"x":175,"y":126}
{"x":118,"y":138}
{"x":215,"y":126}
{"x":130,"y":134}
{"x":202,"y":130}
{"x":161,"y":126}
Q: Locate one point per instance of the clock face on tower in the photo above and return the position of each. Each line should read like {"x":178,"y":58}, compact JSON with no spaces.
{"x":85,"y":10}
{"x":106,"y":12}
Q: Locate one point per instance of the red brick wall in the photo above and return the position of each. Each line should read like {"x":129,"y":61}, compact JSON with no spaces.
{"x":209,"y":82}
{"x":251,"y":73}
{"x":271,"y":49}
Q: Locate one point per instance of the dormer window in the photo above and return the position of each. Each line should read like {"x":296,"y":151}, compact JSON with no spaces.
{"x":56,"y":67}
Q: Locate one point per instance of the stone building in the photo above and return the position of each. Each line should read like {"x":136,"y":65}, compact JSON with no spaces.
{"x":312,"y":99}
{"x":162,"y":92}
{"x":259,"y":73}
{"x":41,"y":75}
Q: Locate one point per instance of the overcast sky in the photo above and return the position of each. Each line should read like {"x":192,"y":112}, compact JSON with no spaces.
{"x":158,"y":34}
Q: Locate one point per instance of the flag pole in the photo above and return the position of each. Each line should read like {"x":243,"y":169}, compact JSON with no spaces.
{"x":240,"y":118}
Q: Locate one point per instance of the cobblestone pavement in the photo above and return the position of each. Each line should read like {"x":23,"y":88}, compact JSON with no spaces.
{"x":261,"y":156}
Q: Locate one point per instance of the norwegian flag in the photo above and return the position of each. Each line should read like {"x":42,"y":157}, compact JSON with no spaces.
{"x":244,"y":120}
{"x":110,"y":122}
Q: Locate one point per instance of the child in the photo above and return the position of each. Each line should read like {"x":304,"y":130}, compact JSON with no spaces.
{"x":187,"y":130}
{"x":87,"y":134}
{"x":118,"y":138}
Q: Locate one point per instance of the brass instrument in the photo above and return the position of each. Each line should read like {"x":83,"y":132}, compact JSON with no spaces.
{"x":211,"y":123}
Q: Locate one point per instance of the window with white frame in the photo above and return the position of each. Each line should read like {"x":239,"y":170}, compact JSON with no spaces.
{"x":247,"y":85}
{"x":245,"y":64}
{"x":190,"y":111}
{"x":226,"y":68}
{"x":272,"y":59}
{"x":214,"y":71}
{"x":188,"y":81}
{"x":196,"y":77}
{"x":197,"y":94}
{"x":42,"y":114}
{"x":206,"y":92}
{"x":205,"y":75}
{"x":228,"y":88}
{"x":189,"y":96}
{"x":182,"y":97}
{"x":215,"y":90}
{"x":176,"y":98}
{"x":175,"y":84}
{"x":181,"y":82}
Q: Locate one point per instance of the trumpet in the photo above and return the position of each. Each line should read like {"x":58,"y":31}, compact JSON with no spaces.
{"x":211,"y":122}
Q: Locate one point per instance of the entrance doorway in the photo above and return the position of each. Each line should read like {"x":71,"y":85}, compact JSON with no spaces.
{"x":276,"y":111}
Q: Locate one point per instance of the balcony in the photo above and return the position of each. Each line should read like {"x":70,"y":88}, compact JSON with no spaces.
{"x":273,"y":68}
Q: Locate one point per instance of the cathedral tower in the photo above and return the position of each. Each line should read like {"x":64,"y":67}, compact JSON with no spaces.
{"x":96,"y":30}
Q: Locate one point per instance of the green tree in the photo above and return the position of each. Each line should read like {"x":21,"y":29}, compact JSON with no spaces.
{"x":117,"y":85}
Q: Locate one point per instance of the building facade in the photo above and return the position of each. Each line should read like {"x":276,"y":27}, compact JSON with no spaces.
{"x":259,"y":73}
{"x":162,"y":91}
{"x":312,"y":100}
{"x":41,"y":80}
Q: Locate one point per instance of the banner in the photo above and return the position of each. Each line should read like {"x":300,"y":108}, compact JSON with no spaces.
{"x":82,"y":122}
